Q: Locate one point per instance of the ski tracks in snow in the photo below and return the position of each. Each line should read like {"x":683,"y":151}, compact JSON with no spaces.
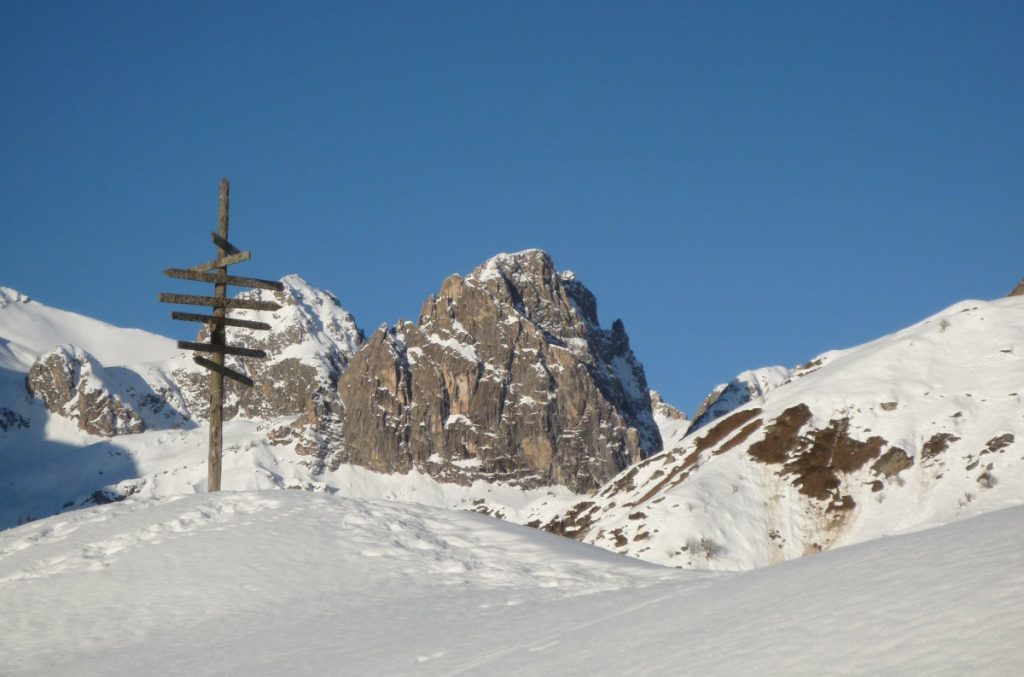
{"x":46,"y":549}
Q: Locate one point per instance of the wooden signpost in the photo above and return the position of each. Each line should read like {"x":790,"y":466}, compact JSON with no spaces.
{"x":216,"y":272}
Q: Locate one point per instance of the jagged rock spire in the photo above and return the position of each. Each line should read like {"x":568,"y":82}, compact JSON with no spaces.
{"x":507,"y":375}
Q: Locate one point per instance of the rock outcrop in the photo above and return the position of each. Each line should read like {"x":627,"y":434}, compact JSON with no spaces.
{"x":662,"y":408}
{"x":71,"y":382}
{"x":507,"y":375}
{"x":672,"y":423}
{"x":749,"y":386}
{"x":310,"y":343}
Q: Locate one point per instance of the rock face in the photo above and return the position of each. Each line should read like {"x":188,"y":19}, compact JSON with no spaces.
{"x":71,"y":382}
{"x":507,"y":375}
{"x":662,"y":408}
{"x":310,"y":343}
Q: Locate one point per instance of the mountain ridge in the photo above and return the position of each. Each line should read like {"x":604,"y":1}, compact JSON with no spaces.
{"x":919,"y":427}
{"x":292,"y":425}
{"x":908,"y":430}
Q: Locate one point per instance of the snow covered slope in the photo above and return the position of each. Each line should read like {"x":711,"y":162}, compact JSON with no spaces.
{"x":29,"y":329}
{"x":271,"y":583}
{"x":919,"y":428}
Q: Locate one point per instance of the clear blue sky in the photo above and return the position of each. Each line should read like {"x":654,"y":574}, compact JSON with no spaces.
{"x":744,"y":184}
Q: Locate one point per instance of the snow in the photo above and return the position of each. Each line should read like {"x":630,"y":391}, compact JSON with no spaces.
{"x":623,"y":370}
{"x":327,"y":327}
{"x":492,"y":268}
{"x":31,"y":328}
{"x":465,"y":350}
{"x":458,"y":419}
{"x":270,"y":583}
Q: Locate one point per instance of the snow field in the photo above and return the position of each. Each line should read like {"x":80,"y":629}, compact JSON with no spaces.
{"x":266,"y":583}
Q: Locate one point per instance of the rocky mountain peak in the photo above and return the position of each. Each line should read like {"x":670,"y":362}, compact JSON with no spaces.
{"x":528,"y":282}
{"x":506,"y":375}
{"x":311,"y":341}
{"x":663,"y":408}
{"x":1018,"y":290}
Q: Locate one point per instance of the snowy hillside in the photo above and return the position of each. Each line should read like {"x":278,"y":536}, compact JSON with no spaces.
{"x":919,"y":428}
{"x":30,"y":328}
{"x":271,"y":583}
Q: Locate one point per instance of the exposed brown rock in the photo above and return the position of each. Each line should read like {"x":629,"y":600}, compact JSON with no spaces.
{"x":740,"y":437}
{"x":825,"y":454}
{"x":1018,"y":290}
{"x":815,"y":460}
{"x":781,"y":435}
{"x":575,"y":522}
{"x":724,"y":428}
{"x":675,"y":477}
{"x":937,"y":444}
{"x":998,"y":443}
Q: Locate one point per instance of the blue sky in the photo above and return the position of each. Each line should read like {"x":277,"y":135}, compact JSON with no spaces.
{"x":744,"y":184}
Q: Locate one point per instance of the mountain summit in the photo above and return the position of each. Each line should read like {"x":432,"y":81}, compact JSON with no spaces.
{"x":507,"y":375}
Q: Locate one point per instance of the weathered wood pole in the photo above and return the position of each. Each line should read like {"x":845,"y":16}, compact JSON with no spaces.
{"x":217,"y":338}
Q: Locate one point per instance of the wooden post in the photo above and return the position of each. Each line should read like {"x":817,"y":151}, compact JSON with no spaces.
{"x":217,"y":339}
{"x":216,"y":271}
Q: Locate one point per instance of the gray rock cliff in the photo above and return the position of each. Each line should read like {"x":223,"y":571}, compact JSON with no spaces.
{"x":507,"y":375}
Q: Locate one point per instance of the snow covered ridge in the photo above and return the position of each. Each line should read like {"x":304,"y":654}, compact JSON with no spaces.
{"x":748,"y":386}
{"x":921,"y":427}
{"x":143,"y":432}
{"x":9,"y":296}
{"x":29,"y":328}
{"x":410,"y":590}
